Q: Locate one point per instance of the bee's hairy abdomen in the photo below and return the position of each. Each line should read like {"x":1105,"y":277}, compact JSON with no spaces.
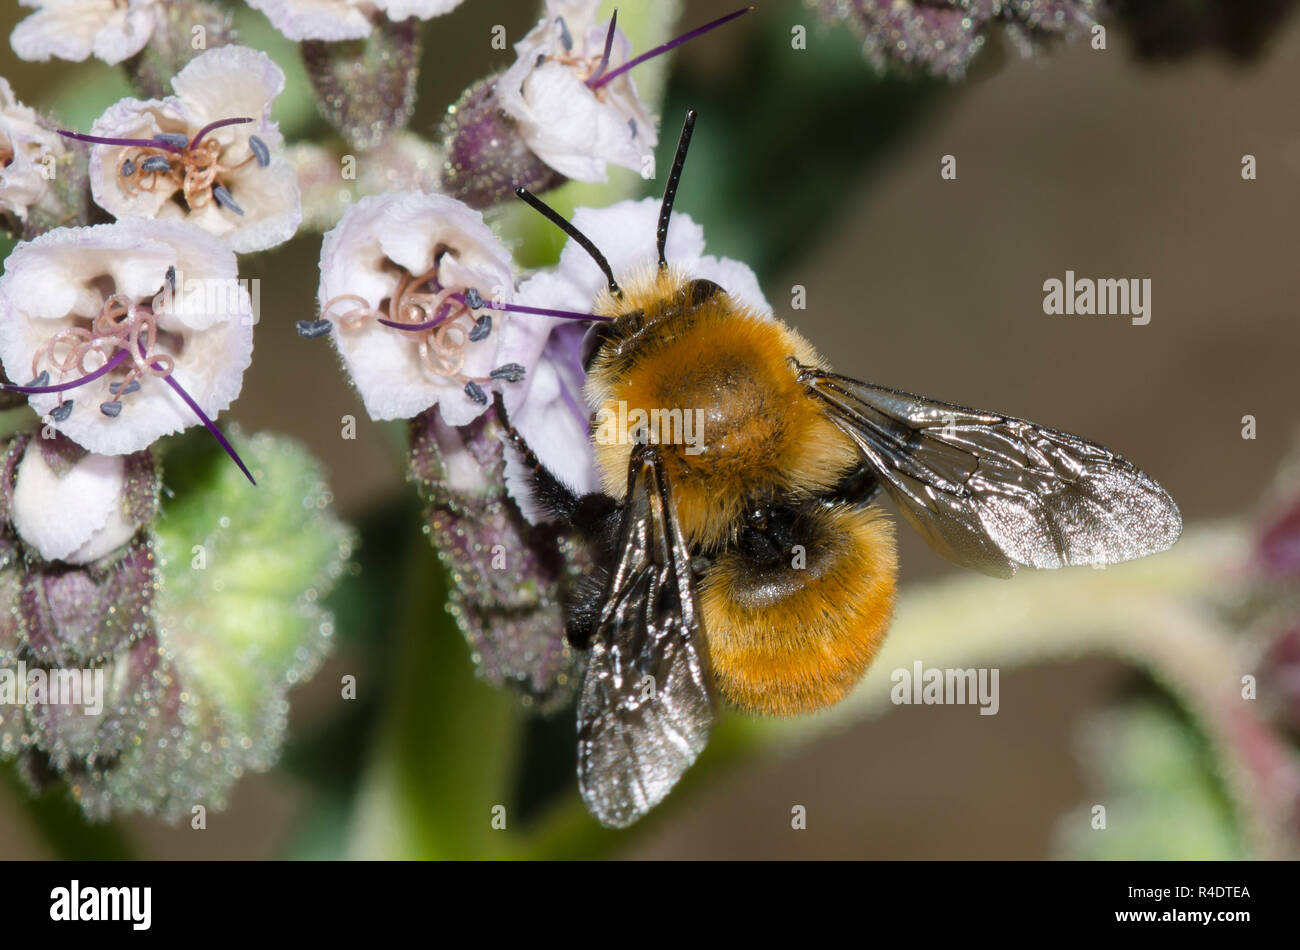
{"x":794,"y":633}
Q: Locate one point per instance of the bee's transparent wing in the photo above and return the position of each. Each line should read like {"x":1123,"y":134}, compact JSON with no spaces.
{"x":645,"y":709}
{"x":995,"y":493}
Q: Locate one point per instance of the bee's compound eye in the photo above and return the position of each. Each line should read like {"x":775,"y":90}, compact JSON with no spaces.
{"x":597,"y":334}
{"x":699,"y":291}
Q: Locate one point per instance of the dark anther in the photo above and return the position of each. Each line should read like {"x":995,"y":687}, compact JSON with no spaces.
{"x":473,"y":299}
{"x":311,"y":329}
{"x":61,"y":412}
{"x":117,"y":390}
{"x":41,"y":380}
{"x":157,"y":163}
{"x":260,"y":150}
{"x":482,"y":328}
{"x":223,"y":198}
{"x":111,"y":409}
{"x":179,"y":139}
{"x":510,"y":372}
{"x":475,"y":392}
{"x":128,"y":168}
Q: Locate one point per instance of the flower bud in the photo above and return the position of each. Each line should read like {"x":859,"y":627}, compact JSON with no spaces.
{"x":67,"y":504}
{"x":366,"y":88}
{"x":150,"y":681}
{"x":941,"y":38}
{"x":486,"y":156}
{"x":510,"y":580}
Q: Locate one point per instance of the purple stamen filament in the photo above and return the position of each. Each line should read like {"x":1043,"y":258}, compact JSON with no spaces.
{"x":111,"y":364}
{"x":609,"y":46}
{"x":153,"y":143}
{"x":203,"y":417}
{"x":139,"y":143}
{"x":213,"y":126}
{"x":503,"y":307}
{"x":208,"y":424}
{"x":597,"y":80}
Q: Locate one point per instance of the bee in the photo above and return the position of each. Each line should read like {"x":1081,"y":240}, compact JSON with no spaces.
{"x":758,"y":570}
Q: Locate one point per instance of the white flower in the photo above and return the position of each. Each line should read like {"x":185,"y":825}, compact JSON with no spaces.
{"x":27,"y":151}
{"x":76,"y":299}
{"x":411,"y":246}
{"x":548,"y":407}
{"x":75,"y":512}
{"x":229,"y":82}
{"x":111,"y":30}
{"x":333,"y":20}
{"x":569,"y":125}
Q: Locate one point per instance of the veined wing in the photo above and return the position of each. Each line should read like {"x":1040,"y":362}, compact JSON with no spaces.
{"x":995,"y":493}
{"x":645,"y":709}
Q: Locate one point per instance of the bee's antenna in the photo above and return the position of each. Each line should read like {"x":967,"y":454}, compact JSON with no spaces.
{"x":670,"y":190}
{"x":567,"y":227}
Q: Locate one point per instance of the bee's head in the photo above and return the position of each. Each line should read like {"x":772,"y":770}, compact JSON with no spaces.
{"x":665,"y":214}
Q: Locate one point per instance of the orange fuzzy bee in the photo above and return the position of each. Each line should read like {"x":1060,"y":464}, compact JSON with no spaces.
{"x":752,"y":565}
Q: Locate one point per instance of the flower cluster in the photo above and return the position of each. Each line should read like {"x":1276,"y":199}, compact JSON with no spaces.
{"x":941,"y":37}
{"x":119,"y":334}
{"x":170,"y":701}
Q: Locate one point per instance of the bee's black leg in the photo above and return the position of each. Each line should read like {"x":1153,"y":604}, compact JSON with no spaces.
{"x":584,"y":607}
{"x":548,"y":492}
{"x":596,"y":517}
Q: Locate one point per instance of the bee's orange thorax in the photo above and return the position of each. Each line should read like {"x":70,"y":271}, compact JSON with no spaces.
{"x":722,"y":375}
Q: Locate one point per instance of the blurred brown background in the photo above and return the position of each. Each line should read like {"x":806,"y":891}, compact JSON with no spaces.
{"x":1086,"y":161}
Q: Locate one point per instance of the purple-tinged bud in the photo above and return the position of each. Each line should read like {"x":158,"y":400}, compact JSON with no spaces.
{"x":941,"y":37}
{"x":76,"y":615}
{"x":366,"y":88}
{"x":510,"y":580}
{"x":485,"y":157}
